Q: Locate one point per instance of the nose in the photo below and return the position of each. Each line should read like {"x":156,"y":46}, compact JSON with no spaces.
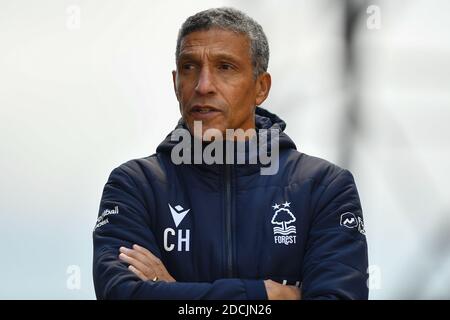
{"x":205,"y":83}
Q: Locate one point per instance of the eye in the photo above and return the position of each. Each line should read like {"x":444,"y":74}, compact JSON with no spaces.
{"x":187,"y":66}
{"x":225,"y":66}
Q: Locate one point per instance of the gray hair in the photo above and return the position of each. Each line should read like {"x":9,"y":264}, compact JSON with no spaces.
{"x":233,"y":20}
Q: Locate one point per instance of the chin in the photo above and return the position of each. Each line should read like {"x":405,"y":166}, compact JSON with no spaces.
{"x":206,"y":126}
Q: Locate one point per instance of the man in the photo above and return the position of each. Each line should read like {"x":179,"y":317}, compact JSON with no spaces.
{"x":171,"y":229}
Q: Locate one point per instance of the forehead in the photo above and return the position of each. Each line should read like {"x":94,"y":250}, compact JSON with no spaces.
{"x":216,"y":41}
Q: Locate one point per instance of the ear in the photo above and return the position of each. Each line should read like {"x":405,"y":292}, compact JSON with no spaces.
{"x":263,"y":84}
{"x":174,"y":78}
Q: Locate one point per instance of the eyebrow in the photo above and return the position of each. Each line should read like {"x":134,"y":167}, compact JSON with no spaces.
{"x":218,"y":56}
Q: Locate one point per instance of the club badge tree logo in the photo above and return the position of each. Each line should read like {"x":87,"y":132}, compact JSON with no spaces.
{"x":283,"y":217}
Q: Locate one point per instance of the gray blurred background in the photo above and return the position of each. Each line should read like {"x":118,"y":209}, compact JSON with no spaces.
{"x":86,"y":86}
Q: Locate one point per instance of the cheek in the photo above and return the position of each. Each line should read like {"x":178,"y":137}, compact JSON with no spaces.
{"x":243,"y":99}
{"x":183,"y":97}
{"x":239,"y":92}
{"x":185,"y":89}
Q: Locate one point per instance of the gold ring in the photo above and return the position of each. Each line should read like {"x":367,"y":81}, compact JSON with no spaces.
{"x":155,"y":279}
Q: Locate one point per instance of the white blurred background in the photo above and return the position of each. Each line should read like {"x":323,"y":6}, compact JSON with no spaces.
{"x":86,"y":86}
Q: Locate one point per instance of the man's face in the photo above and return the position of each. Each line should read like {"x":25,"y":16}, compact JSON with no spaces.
{"x":214,"y":81}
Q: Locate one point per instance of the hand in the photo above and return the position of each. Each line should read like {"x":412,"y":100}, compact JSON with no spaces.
{"x":276,"y":291}
{"x":144,"y":264}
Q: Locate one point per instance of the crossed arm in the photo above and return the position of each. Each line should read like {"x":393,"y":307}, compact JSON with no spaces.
{"x":148,"y":267}
{"x":334,"y":264}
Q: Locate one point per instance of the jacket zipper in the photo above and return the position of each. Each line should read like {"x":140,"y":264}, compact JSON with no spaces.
{"x":228,"y":221}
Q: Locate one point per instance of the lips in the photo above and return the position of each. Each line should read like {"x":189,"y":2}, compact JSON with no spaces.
{"x":203,"y":112}
{"x":203,"y":108}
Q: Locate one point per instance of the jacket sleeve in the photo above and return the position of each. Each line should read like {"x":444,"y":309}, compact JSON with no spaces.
{"x":335,"y":263}
{"x":123,"y":221}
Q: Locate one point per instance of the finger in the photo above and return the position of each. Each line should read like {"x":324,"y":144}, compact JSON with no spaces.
{"x":144,"y":272}
{"x":147,"y":258}
{"x":156,"y":262}
{"x":134,"y":254}
{"x":147,"y":253}
{"x":138,"y":273}
{"x":146,"y":261}
{"x":147,"y":270}
{"x":146,"y":265}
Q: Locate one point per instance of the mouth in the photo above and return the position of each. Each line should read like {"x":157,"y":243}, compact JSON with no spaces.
{"x":203,"y":112}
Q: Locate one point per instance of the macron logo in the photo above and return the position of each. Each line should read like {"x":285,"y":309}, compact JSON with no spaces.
{"x":178,"y":214}
{"x":348,"y":220}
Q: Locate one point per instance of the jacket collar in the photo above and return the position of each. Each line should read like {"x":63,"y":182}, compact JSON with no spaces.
{"x":240,"y":150}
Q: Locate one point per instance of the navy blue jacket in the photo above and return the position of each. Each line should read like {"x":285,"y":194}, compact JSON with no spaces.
{"x":220,"y":230}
